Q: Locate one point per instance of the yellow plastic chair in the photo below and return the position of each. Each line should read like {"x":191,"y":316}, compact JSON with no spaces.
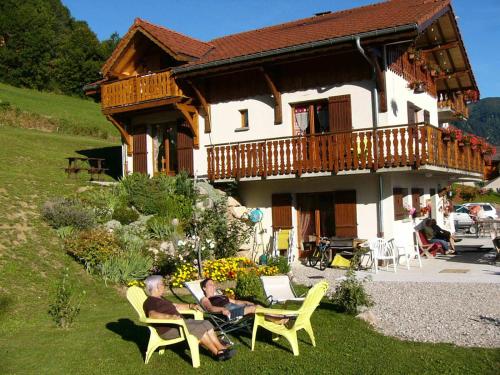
{"x":136,"y":297}
{"x":303,"y":321}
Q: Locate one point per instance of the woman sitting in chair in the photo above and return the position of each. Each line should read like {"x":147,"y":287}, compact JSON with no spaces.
{"x":156,"y":307}
{"x":231,"y":308}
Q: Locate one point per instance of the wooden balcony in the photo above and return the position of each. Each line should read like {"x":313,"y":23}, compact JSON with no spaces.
{"x":452,"y":106}
{"x":137,"y":90}
{"x":361,"y":149}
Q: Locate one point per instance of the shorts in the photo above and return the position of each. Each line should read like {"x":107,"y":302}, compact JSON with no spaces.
{"x":195,"y":327}
{"x":237,"y":311}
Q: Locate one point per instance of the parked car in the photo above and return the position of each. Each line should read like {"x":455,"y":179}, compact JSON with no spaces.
{"x":462,"y":219}
{"x":489,"y":210}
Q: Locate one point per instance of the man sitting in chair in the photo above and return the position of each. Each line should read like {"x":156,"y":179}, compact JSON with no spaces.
{"x":231,"y":308}
{"x":156,"y":307}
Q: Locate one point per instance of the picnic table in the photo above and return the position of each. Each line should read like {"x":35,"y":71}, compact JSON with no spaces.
{"x":93,"y":166}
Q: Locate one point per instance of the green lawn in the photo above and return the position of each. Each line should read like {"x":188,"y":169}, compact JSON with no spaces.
{"x":73,"y":115}
{"x":106,"y":338}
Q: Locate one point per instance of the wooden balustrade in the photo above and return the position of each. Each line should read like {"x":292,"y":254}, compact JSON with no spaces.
{"x":139,"y":89}
{"x":384,"y":147}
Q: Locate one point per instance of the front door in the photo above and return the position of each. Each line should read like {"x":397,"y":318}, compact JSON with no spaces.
{"x":345,"y":214}
{"x":140,"y":152}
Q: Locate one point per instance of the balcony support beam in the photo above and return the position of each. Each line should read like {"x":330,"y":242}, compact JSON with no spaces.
{"x":204,"y":104}
{"x":278,"y":112}
{"x":126,"y":137}
{"x":190,"y":114}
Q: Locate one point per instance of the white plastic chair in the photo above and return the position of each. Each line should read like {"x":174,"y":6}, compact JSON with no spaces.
{"x":383,"y":250}
{"x":279,"y":289}
{"x":407,"y":251}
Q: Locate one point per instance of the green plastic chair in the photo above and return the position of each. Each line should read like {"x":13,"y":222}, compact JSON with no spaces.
{"x":136,"y":297}
{"x":303,"y":321}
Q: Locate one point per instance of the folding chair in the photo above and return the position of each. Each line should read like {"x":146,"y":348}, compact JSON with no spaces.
{"x":220,"y":321}
{"x":279,"y":289}
{"x":283,"y":242}
{"x":428,"y":249}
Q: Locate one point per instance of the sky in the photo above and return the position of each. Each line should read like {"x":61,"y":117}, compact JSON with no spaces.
{"x":478,"y":20}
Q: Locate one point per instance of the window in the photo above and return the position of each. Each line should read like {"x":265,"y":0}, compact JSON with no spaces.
{"x":244,"y":118}
{"x":399,"y":195}
{"x":310,"y":118}
{"x":413,"y":111}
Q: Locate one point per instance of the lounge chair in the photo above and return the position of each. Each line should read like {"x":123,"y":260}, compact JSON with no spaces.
{"x":428,"y":249}
{"x":279,"y":289}
{"x":136,"y":297}
{"x":223,"y":325}
{"x":302,"y":321}
{"x":283,"y":244}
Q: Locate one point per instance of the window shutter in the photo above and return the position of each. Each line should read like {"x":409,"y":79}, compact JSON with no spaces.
{"x":416,"y":193}
{"x":282,"y":211}
{"x":399,"y":210}
{"x":339,"y":110}
{"x":185,"y":146}
{"x":427,"y":117}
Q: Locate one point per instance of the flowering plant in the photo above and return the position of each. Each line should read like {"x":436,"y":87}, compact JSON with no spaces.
{"x":136,"y":283}
{"x":184,"y":272}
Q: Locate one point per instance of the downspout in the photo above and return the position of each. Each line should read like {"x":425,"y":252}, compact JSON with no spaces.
{"x":380,"y":211}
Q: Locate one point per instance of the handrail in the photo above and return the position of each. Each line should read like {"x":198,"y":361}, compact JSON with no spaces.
{"x":406,"y":145}
{"x":321,"y":134}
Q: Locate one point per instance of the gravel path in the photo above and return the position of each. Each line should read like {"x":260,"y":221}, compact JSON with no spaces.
{"x":466,"y":314}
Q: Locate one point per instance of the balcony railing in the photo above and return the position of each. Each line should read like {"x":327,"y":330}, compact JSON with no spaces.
{"x":135,"y":90}
{"x":360,"y":149}
{"x":453,"y":103}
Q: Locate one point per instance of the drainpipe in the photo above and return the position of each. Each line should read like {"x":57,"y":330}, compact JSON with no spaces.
{"x":380,"y":211}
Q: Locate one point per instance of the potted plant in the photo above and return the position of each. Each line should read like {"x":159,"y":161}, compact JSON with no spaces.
{"x":466,"y":140}
{"x":418,"y":87}
{"x":446,"y":134}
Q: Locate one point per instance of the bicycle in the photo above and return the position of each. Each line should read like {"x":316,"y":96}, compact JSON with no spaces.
{"x":320,"y":254}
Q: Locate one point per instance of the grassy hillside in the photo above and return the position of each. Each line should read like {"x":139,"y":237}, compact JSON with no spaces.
{"x":34,"y":109}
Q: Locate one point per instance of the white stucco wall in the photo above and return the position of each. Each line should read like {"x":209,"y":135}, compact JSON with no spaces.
{"x":409,"y":180}
{"x":226,"y":117}
{"x":259,"y":194}
{"x":398,"y":95}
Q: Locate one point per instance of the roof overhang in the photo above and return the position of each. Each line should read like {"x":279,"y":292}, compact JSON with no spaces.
{"x":186,"y":70}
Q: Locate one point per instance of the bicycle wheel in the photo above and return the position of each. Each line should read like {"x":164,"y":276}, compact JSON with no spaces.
{"x":324,"y":261}
{"x":313,"y":258}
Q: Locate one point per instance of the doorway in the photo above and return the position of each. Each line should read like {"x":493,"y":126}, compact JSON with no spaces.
{"x":326,"y":214}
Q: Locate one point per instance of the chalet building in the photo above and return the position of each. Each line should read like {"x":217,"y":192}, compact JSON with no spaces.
{"x":333,"y":125}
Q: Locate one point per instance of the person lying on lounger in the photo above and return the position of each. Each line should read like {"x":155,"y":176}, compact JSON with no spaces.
{"x":231,"y":308}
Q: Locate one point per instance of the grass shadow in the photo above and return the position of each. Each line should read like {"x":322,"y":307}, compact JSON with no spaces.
{"x":112,"y":156}
{"x":4,"y":305}
{"x":129,"y":331}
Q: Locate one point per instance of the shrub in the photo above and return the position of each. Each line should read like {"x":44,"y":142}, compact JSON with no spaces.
{"x":102,"y":200}
{"x":65,"y":232}
{"x":184,"y":272}
{"x":63,"y":308}
{"x":248,"y":286}
{"x":350,"y":294}
{"x":93,"y":247}
{"x":165,"y":264}
{"x":160,"y":228}
{"x":125,"y":215}
{"x":229,"y":268}
{"x":126,"y":267}
{"x":61,"y":212}
{"x":228,"y":235}
{"x":281,"y":263}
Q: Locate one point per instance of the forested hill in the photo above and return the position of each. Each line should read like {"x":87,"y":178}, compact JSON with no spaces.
{"x":43,"y":47}
{"x":484,"y":120}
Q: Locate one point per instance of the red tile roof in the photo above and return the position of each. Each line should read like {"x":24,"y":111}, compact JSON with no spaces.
{"x":349,"y":22}
{"x":178,"y":43}
{"x":327,"y":26}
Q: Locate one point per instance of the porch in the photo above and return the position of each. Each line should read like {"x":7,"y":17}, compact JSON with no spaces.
{"x":389,"y":147}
